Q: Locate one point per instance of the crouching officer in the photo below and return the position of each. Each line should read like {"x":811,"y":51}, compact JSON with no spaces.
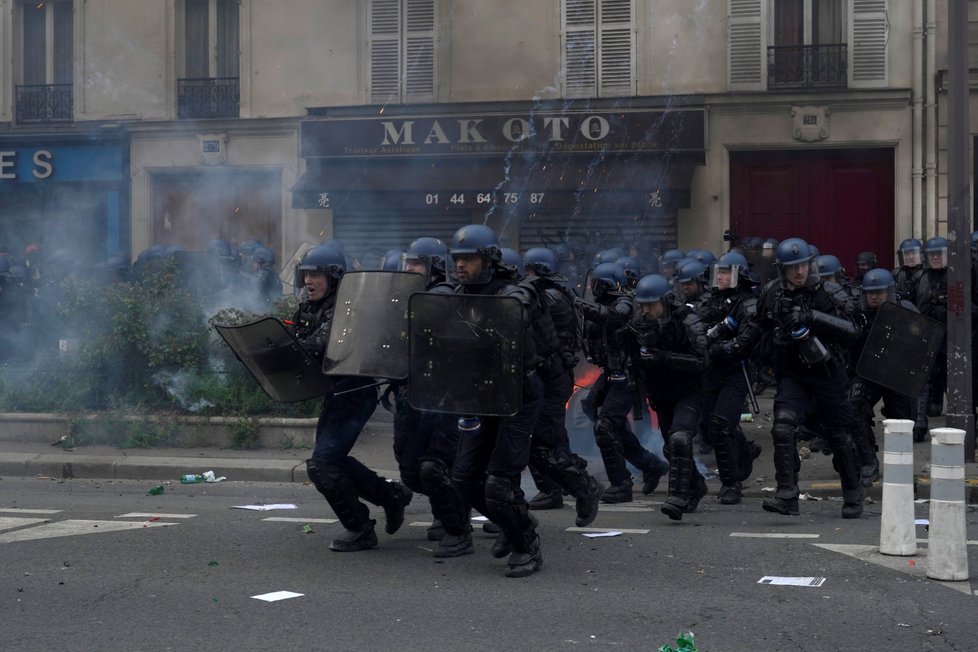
{"x":491,"y":457}
{"x":672,"y":348}
{"x":811,"y":330}
{"x":342,"y":479}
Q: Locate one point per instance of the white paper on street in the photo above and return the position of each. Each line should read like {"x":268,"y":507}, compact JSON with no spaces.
{"x":277,"y":595}
{"x":595,"y":535}
{"x":266,"y":508}
{"x":792,"y":581}
{"x":921,"y":521}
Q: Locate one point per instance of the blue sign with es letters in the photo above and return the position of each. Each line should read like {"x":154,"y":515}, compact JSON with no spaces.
{"x":53,"y":163}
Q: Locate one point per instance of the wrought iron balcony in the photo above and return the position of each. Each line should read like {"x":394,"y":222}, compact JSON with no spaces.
{"x":44,"y":103}
{"x":208,"y":97}
{"x":806,"y":66}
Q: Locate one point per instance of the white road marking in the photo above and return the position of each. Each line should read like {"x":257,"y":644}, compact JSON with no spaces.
{"x":154,"y":514}
{"x":75,"y":527}
{"x":621,"y":509}
{"x":774,"y":535}
{"x":10,"y":522}
{"x":605,"y":529}
{"x":17,"y":510}
{"x":285,"y":519}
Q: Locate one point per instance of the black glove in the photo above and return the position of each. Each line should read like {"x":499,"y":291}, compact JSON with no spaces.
{"x":655,"y":356}
{"x":797,"y":318}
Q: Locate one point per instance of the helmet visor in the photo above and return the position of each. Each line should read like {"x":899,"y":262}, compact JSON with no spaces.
{"x":909,"y":257}
{"x":724,"y":278}
{"x":937,"y":258}
{"x":871,"y":300}
{"x":794,"y":276}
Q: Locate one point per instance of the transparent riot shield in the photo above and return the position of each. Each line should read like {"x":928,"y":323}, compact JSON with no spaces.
{"x":466,"y":354}
{"x":369,"y":334}
{"x":288,"y":274}
{"x":900,"y":349}
{"x":277,"y":361}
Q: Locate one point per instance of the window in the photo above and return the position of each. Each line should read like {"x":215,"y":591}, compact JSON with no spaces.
{"x":807,"y":44}
{"x":402,"y":50}
{"x":210,"y":87}
{"x":48,"y":36}
{"x":599,"y":48}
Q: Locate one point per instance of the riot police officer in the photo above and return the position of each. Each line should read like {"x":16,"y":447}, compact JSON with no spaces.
{"x":910,"y":269}
{"x":726,"y":311}
{"x":613,"y":394}
{"x":425,"y":442}
{"x":878,"y":287}
{"x":930,"y":298}
{"x":491,"y":457}
{"x":339,"y":477}
{"x":672,"y":348}
{"x":552,"y":462}
{"x":811,"y":329}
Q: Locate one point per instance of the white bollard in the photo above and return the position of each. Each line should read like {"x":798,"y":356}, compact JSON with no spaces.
{"x":947,"y":546}
{"x":898,"y":535}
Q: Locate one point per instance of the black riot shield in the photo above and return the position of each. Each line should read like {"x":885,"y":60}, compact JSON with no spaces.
{"x":369,"y":334}
{"x":466,"y":354}
{"x":900,"y":349}
{"x":277,"y":361}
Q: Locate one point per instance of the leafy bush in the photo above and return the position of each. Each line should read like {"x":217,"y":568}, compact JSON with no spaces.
{"x":145,"y":348}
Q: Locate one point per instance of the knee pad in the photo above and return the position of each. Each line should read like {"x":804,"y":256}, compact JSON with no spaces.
{"x":499,"y":489}
{"x":433,"y":472}
{"x":681,"y":443}
{"x":412,"y":480}
{"x":783,"y":431}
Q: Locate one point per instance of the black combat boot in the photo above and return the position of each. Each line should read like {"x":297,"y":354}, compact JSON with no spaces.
{"x":587,"y":505}
{"x":543,"y":500}
{"x":354,"y":540}
{"x":852,"y":503}
{"x":731,"y":494}
{"x":436,"y":531}
{"x":779,"y":505}
{"x":454,"y":545}
{"x":399,"y":498}
{"x":524,"y":564}
{"x":652,"y":474}
{"x":618,"y":493}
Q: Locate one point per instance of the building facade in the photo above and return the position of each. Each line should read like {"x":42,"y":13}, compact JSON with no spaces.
{"x":647,"y":123}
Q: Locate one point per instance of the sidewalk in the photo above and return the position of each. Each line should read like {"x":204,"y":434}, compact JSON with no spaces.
{"x":30,"y":458}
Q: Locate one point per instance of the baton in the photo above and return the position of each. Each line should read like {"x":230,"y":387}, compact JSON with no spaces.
{"x":750,"y":388}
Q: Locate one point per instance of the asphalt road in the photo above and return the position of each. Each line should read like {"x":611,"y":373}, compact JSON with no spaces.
{"x":77,"y":581}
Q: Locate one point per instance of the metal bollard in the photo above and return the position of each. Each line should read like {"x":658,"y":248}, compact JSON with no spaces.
{"x":898,"y":535}
{"x":947,"y":549}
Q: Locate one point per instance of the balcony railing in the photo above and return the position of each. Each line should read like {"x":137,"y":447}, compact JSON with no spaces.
{"x":208,"y":97}
{"x":806,"y":66}
{"x":44,"y":103}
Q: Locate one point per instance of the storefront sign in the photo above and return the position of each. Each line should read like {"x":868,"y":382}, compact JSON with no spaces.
{"x":89,"y":162}
{"x":567,"y":132}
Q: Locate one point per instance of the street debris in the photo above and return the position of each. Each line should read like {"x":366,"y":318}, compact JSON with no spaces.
{"x":265,"y":508}
{"x":595,"y":535}
{"x":277,"y":595}
{"x":792,"y":581}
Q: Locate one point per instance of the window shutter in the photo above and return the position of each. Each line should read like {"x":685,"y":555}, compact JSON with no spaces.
{"x":746,"y":45}
{"x":868,"y":36}
{"x":385,"y":51}
{"x":616,"y":48}
{"x":420,"y":65}
{"x":580,"y":48}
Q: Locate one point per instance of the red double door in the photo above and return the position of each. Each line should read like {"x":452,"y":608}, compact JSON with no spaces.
{"x":839,"y":200}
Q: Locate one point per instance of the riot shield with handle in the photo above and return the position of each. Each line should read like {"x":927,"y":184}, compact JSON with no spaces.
{"x":369,"y":334}
{"x":466,"y":354}
{"x":900,"y":349}
{"x":276,"y":359}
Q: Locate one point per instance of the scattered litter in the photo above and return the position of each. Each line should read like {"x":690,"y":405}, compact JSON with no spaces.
{"x":684,"y":643}
{"x":156,"y":491}
{"x":277,"y":595}
{"x":206,"y":476}
{"x":210,"y":477}
{"x":769,"y":489}
{"x":804,"y":452}
{"x":911,"y":562}
{"x":921,"y":521}
{"x":868,"y":500}
{"x":480,"y":518}
{"x":266,"y":508}
{"x":902,"y":625}
{"x":150,"y":520}
{"x":307,"y":529}
{"x":595,"y":535}
{"x":213,"y":563}
{"x":792,"y":581}
{"x":921,"y":501}
{"x":808,"y":496}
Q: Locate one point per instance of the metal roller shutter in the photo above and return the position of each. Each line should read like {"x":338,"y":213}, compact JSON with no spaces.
{"x":363,"y":232}
{"x":593,"y":233}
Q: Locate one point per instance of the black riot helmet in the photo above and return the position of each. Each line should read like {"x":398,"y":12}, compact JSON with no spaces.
{"x":477,"y":240}
{"x":865,"y":261}
{"x":430,"y":252}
